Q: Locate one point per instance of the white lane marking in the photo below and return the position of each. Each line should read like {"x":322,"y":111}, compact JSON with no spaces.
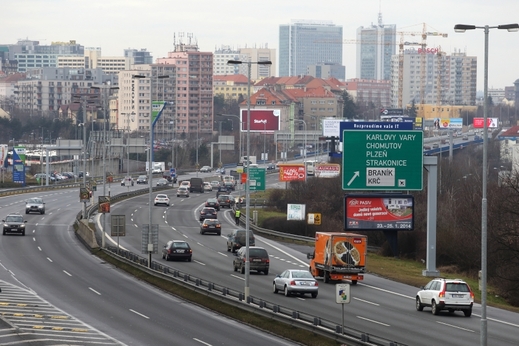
{"x":185,"y":236}
{"x":202,"y":245}
{"x":67,"y":273}
{"x":500,"y":321}
{"x":373,"y":321}
{"x":284,"y":252}
{"x":453,"y":326}
{"x":33,"y":239}
{"x":223,"y":254}
{"x":138,"y":313}
{"x":136,"y":225}
{"x":387,"y":291}
{"x":202,"y":342}
{"x":201,"y":263}
{"x":366,"y":301}
{"x":301,"y":298}
{"x":49,"y":259}
{"x":238,"y":277}
{"x":173,"y":228}
{"x":93,"y":290}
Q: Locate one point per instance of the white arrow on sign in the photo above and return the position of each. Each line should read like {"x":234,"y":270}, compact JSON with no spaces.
{"x":355,"y":175}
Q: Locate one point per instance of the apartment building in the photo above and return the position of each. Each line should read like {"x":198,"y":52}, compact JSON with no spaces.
{"x":194,"y":88}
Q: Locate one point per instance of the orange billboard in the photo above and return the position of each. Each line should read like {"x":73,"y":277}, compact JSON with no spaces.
{"x":292,"y":172}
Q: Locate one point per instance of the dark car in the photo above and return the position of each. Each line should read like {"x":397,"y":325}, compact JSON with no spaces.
{"x":211,"y":225}
{"x":225,"y":201}
{"x":271,"y":167}
{"x":142,"y":179}
{"x":258,"y":260}
{"x":208,"y":213}
{"x":212,"y":203}
{"x":14,"y":223}
{"x":237,"y":239}
{"x":177,"y":249}
{"x":222,"y":190}
{"x":229,"y":185}
{"x":35,"y":205}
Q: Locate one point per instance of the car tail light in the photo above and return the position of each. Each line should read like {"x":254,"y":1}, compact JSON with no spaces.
{"x":442,"y":293}
{"x":218,"y":225}
{"x":315,"y":283}
{"x":190,"y":251}
{"x":266,"y":260}
{"x":169,"y":251}
{"x":292,"y":283}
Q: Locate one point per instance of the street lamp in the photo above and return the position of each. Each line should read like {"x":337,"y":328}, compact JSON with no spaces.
{"x":154,"y":117}
{"x":105,"y":106}
{"x":247,"y":181}
{"x":462,"y":28}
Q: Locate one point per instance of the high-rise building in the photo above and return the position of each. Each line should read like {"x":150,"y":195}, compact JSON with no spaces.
{"x":139,"y":56}
{"x":375,"y":46}
{"x":221,"y":57}
{"x":444,"y":80}
{"x":258,"y":72}
{"x":194,"y":84}
{"x":304,"y":42}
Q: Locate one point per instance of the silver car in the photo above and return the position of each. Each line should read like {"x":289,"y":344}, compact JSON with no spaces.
{"x":183,"y":191}
{"x":35,"y":205}
{"x":296,"y":281}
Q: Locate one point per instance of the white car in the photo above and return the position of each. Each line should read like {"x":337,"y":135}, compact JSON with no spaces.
{"x":205,"y":169}
{"x":296,"y":281}
{"x":161,"y":199}
{"x":183,"y":191}
{"x":186,"y":183}
{"x":446,"y":294}
{"x":207,"y":186}
{"x":156,"y":170}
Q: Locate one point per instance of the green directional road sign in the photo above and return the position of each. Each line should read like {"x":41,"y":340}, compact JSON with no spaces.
{"x":382,"y":160}
{"x":257,"y":178}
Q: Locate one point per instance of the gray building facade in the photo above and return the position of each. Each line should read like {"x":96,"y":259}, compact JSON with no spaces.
{"x":304,"y":42}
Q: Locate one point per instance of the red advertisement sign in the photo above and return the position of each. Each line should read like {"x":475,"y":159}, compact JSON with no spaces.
{"x":261,"y":120}
{"x":372,"y":212}
{"x":327,"y":170}
{"x":479,"y":123}
{"x":292,"y":172}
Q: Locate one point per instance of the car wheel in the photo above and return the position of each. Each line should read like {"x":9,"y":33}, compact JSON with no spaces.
{"x":219,"y":233}
{"x":23,"y":233}
{"x":178,"y":195}
{"x":242,"y":269}
{"x":353,"y":282}
{"x":314,"y":294}
{"x":43,"y":212}
{"x":274,"y":288}
{"x":162,"y":256}
{"x":167,"y":257}
{"x":266,"y":272}
{"x":234,"y":267}
{"x":189,"y":259}
{"x":4,"y":232}
{"x":419,"y":305}
{"x":434,"y":308}
{"x":286,"y":291}
{"x":467,"y":312}
{"x":26,"y":212}
{"x":326,"y":278}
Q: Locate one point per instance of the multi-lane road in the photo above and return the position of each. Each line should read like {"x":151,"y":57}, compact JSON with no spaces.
{"x":54,"y":265}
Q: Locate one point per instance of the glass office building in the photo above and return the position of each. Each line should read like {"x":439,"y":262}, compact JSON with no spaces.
{"x":305,"y":43}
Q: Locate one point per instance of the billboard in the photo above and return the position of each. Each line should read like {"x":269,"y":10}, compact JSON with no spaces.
{"x":379,"y":212}
{"x":261,"y":120}
{"x":327,"y":170}
{"x":292,"y":172}
{"x":479,"y":123}
{"x":448,"y":123}
{"x":3,"y":154}
{"x":19,"y":165}
{"x":331,"y":127}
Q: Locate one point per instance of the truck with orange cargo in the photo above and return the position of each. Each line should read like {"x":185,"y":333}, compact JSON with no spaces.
{"x":339,"y":256}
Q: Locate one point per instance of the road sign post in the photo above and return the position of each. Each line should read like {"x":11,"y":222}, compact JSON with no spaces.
{"x":382,"y":160}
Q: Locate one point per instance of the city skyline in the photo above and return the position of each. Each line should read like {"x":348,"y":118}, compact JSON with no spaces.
{"x":116,"y":25}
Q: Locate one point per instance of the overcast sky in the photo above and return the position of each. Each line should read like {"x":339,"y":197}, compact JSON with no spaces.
{"x":115,"y":25}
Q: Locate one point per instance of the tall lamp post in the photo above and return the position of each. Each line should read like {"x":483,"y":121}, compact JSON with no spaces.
{"x":247,"y":181}
{"x":154,"y":117}
{"x":105,"y":106}
{"x":462,"y":28}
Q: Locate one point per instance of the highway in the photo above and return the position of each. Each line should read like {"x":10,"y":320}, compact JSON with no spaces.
{"x":50,"y":268}
{"x":52,"y":263}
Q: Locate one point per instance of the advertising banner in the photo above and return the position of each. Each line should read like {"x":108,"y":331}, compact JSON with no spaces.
{"x":327,"y":170}
{"x":479,"y":123}
{"x":156,"y":110}
{"x":294,"y":172}
{"x":19,"y":165}
{"x":379,"y":212}
{"x":296,"y":212}
{"x":104,"y":204}
{"x":449,"y":123}
{"x":331,"y":127}
{"x":261,"y":120}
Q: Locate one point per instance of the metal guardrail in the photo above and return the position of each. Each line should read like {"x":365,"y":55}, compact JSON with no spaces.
{"x":278,"y":312}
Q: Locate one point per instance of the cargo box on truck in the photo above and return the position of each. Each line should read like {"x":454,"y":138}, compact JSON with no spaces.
{"x":339,"y":256}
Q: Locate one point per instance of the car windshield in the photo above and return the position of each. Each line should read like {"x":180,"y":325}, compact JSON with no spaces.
{"x":162,"y":196}
{"x":211,"y":221}
{"x":258,"y":252}
{"x":182,"y":188}
{"x":36,"y":200}
{"x":142,"y":177}
{"x":457,"y":287}
{"x":14,"y":218}
{"x":182,"y":245}
{"x":302,"y":274}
